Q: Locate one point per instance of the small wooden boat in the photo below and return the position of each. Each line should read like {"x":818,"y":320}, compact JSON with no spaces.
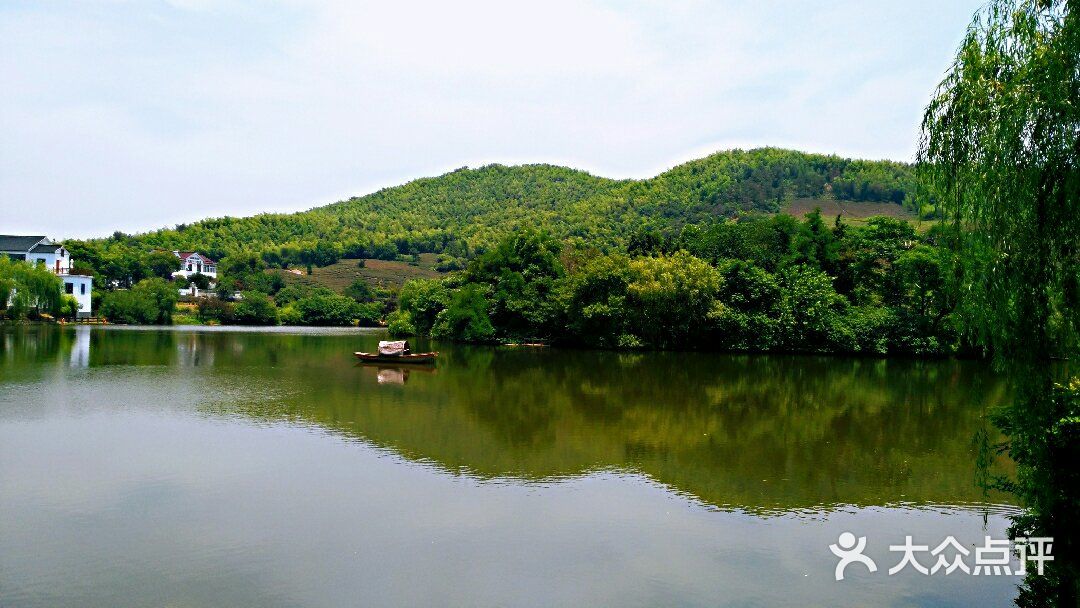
{"x":413,"y":358}
{"x":396,"y":351}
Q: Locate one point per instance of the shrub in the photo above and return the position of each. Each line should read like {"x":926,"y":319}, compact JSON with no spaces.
{"x":333,"y":310}
{"x":289,"y":315}
{"x":449,"y":264}
{"x":812,"y":313}
{"x":670,"y":297}
{"x":255,"y":308}
{"x":126,"y":306}
{"x":215,"y":309}
{"x":69,"y":307}
{"x":199,"y":280}
{"x":360,"y":291}
{"x":150,"y":301}
{"x":400,"y":324}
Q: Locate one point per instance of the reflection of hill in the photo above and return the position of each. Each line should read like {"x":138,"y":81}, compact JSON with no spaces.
{"x":759,"y":433}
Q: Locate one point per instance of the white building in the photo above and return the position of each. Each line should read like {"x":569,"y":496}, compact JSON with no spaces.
{"x":193,"y":262}
{"x":40,"y":250}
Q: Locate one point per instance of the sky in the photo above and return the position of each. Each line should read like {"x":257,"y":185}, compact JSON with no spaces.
{"x":137,"y":114}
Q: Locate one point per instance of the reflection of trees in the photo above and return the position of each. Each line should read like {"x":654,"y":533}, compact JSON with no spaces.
{"x":817,"y":429}
{"x":755,"y":432}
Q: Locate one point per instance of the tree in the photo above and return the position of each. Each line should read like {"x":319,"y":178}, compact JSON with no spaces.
{"x":328,"y":309}
{"x":255,"y":308}
{"x":999,"y":143}
{"x":669,"y":298}
{"x":595,"y":300}
{"x":423,"y":299}
{"x":522,"y":271}
{"x":150,"y":301}
{"x":162,"y":264}
{"x":400,"y":324}
{"x":31,"y":288}
{"x":466,"y":318}
{"x":128,"y":307}
{"x":811,"y":312}
{"x":69,"y":307}
{"x":199,"y":280}
{"x":360,"y":291}
{"x":747,"y":308}
{"x":162,"y":294}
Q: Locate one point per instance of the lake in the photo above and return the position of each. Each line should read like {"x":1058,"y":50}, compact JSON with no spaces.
{"x":223,"y":467}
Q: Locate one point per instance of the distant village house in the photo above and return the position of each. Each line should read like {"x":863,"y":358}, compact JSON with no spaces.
{"x":41,"y":250}
{"x":193,"y":262}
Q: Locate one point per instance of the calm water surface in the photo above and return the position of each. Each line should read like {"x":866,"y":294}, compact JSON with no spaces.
{"x":237,"y":468}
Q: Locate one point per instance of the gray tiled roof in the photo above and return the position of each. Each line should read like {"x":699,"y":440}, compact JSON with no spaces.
{"x":46,"y":247}
{"x":22,"y":244}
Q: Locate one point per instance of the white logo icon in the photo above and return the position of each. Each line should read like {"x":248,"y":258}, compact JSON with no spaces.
{"x":849,"y":552}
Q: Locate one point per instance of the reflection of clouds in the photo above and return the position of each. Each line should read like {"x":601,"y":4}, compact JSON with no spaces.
{"x":220,"y":512}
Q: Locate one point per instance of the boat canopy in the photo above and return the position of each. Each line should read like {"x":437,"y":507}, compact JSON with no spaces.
{"x":393,"y":348}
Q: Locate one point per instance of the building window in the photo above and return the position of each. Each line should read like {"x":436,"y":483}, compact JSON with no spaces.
{"x":69,"y":288}
{"x":41,"y":260}
{"x":82,"y":289}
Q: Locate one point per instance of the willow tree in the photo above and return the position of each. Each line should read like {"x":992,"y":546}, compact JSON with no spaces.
{"x":1001,"y":146}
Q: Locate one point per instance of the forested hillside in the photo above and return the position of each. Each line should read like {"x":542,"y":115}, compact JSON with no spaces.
{"x":467,"y":210}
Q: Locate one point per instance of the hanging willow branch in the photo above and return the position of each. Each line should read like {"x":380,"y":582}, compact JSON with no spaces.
{"x":1000,"y":145}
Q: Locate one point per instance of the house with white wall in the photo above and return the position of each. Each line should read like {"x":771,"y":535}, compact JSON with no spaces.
{"x":55,"y":257}
{"x":193,"y":262}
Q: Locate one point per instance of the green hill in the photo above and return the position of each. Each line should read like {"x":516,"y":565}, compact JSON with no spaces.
{"x":467,"y":209}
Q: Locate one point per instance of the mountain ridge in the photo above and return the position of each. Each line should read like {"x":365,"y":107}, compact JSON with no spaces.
{"x":467,"y":209}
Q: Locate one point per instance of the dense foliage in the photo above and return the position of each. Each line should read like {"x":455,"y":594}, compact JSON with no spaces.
{"x":759,"y":284}
{"x":30,"y":290}
{"x":150,"y":301}
{"x":469,"y":210}
{"x":1001,"y":141}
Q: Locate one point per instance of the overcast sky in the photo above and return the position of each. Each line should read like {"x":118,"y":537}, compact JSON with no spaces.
{"x":131,"y":115}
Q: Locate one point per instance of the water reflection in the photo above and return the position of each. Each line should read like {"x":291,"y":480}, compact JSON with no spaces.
{"x":209,"y":468}
{"x":758,"y":433}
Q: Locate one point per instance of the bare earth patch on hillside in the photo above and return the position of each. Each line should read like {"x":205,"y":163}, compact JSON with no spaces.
{"x":379,"y":273}
{"x":854,"y":211}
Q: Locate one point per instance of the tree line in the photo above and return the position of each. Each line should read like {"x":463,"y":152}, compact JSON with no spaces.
{"x":763,"y":283}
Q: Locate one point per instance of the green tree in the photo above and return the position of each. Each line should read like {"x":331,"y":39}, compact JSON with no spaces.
{"x":423,"y":299}
{"x":669,"y":298}
{"x":522,"y":271}
{"x":465,"y":318}
{"x":163,"y":295}
{"x":162,"y":264}
{"x":595,"y":300}
{"x":811,"y":312}
{"x":400,"y":324}
{"x":360,"y":291}
{"x":999,"y":143}
{"x":199,"y":280}
{"x":128,"y":307}
{"x":329,"y":310}
{"x":28,"y":288}
{"x":255,"y":308}
{"x":746,"y":313}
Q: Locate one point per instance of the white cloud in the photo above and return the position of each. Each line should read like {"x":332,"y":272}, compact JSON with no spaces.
{"x":147,"y":114}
